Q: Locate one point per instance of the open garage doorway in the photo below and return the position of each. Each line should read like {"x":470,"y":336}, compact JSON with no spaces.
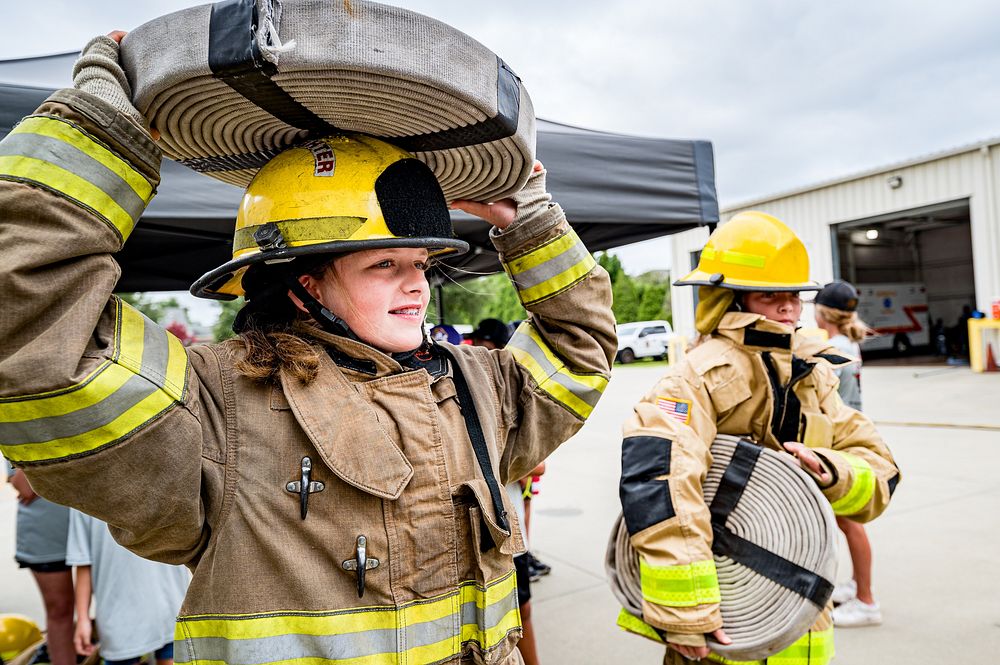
{"x":914,"y":272}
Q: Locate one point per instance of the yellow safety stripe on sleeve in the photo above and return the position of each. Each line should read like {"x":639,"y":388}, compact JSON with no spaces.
{"x":57,"y":155}
{"x":550,"y":269}
{"x":146,"y":376}
{"x":427,"y":631}
{"x":680,"y":586}
{"x":577,"y":392}
{"x":633,"y":624}
{"x":862,"y":486}
{"x":813,"y":648}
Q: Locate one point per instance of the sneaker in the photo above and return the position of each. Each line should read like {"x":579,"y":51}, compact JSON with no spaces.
{"x":844,"y":592}
{"x":536,"y":568}
{"x":855,"y":613}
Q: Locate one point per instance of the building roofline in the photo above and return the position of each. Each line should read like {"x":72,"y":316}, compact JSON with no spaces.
{"x":896,"y":166}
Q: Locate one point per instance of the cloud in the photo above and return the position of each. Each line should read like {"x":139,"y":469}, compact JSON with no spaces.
{"x":789,"y":92}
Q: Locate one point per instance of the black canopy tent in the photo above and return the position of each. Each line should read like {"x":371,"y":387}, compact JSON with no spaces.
{"x":616,"y":190}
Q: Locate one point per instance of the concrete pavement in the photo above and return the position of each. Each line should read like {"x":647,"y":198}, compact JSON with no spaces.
{"x":934,"y":548}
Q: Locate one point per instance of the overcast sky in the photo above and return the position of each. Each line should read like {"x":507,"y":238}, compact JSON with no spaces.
{"x":789,"y":92}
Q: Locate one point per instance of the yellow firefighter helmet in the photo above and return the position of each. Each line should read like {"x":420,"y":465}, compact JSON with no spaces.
{"x":17,"y":633}
{"x":337,"y":194}
{"x":753,"y":251}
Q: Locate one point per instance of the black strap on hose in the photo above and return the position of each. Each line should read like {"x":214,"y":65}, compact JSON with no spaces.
{"x":787,"y":573}
{"x":235,"y":59}
{"x":734,"y":480}
{"x":477,"y":437}
{"x":778,"y":569}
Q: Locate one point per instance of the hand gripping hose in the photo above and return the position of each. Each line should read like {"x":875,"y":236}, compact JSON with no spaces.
{"x":229,"y":85}
{"x":774,"y":541}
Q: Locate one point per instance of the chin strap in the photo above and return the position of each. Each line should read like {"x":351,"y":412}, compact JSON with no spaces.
{"x":326,"y":319}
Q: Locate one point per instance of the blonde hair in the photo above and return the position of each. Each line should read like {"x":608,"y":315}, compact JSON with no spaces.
{"x":847,"y":323}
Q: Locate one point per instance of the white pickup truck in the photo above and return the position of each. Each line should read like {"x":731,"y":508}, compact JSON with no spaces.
{"x":643,"y":339}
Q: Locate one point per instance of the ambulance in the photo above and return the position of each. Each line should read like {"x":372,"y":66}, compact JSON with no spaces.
{"x":898,"y":314}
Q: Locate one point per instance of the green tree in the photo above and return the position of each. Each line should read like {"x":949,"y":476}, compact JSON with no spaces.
{"x":223,"y":328}
{"x":653,"y":305}
{"x":154,"y":309}
{"x":473,"y":300}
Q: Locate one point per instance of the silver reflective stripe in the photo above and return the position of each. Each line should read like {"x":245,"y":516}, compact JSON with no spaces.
{"x":492,"y":615}
{"x":557,"y":265}
{"x":80,"y":421}
{"x":66,"y":156}
{"x":155,"y":352}
{"x":155,"y":355}
{"x":527,"y":344}
{"x":262,"y":650}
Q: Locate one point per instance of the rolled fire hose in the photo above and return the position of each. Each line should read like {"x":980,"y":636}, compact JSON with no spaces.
{"x":774,"y":545}
{"x":231,"y":84}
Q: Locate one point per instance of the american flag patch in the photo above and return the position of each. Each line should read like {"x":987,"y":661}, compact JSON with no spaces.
{"x":678,"y":409}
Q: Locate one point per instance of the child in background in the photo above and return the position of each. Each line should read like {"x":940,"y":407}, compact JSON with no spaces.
{"x":836,"y":313}
{"x":137,"y":600}
{"x":41,"y":548}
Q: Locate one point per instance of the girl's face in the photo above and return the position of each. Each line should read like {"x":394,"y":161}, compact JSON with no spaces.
{"x":381,"y":294}
{"x":781,"y":306}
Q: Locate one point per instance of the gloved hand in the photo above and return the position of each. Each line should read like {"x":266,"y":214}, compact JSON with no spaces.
{"x":532,"y":200}
{"x":99,"y":73}
{"x":533,"y":197}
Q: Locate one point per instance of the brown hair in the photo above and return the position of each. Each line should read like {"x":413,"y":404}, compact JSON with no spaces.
{"x":267,"y":329}
{"x":847,"y":323}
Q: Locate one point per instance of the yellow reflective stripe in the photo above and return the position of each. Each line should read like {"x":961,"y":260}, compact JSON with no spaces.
{"x":734,"y":258}
{"x":55,"y":154}
{"x":296,"y":232}
{"x":862,"y":486}
{"x":70,"y":184}
{"x":62,"y":130}
{"x":101,"y":383}
{"x":633,"y":624}
{"x":680,"y":586}
{"x":577,"y":392}
{"x":420,"y":632}
{"x":813,"y":648}
{"x":550,"y":269}
{"x":146,"y":376}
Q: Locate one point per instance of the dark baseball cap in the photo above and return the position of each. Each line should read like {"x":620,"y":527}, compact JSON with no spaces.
{"x":491,"y":330}
{"x":838,"y":295}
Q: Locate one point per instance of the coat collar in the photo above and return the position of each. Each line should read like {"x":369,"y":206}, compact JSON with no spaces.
{"x":338,"y":420}
{"x":756,"y":331}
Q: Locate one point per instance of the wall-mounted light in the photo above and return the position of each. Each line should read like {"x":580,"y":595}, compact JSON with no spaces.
{"x":894,"y":181}
{"x":871,"y":234}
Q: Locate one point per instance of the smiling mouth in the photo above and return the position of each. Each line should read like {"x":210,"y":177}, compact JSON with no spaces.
{"x":406,"y":311}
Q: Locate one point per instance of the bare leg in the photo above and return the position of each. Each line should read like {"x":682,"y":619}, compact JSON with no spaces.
{"x":861,"y":557}
{"x":57,"y":595}
{"x":527,"y":644}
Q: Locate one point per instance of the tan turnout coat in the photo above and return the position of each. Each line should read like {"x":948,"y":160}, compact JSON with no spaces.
{"x":737,"y":382}
{"x":190,"y":462}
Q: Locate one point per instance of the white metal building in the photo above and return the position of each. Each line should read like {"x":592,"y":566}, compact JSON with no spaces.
{"x":934,"y":220}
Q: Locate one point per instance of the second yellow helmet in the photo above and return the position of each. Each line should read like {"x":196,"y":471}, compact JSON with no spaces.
{"x":753,"y":251}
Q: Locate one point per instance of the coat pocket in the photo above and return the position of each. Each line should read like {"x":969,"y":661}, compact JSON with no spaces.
{"x":728,"y":394}
{"x":507,"y":543}
{"x":817,"y":430}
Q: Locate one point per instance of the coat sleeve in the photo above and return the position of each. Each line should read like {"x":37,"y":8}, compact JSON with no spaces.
{"x":556,"y":365}
{"x":665,"y":458}
{"x":864,"y":472}
{"x":101,"y":407}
